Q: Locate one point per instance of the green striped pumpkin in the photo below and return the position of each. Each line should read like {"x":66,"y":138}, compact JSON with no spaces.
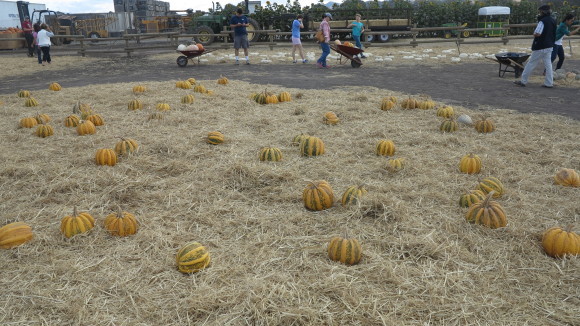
{"x":385,"y":148}
{"x":472,"y":197}
{"x":192,"y":258}
{"x":215,"y":137}
{"x":490,"y":184}
{"x":311,"y":146}
{"x":346,"y":251}
{"x":318,"y":195}
{"x":449,"y":125}
{"x":298,"y":139}
{"x":353,"y":195}
{"x":270,"y":154}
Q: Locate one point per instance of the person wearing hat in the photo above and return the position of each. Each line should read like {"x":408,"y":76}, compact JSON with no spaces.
{"x":27,"y":28}
{"x":542,"y":46}
{"x":325,"y":45}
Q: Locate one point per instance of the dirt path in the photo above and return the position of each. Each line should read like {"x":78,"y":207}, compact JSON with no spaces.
{"x":471,"y":85}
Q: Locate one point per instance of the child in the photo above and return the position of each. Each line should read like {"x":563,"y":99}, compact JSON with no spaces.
{"x":357,"y":29}
{"x":296,"y":43}
{"x":36,"y":28}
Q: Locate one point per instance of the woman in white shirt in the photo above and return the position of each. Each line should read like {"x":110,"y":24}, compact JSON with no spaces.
{"x":44,"y":42}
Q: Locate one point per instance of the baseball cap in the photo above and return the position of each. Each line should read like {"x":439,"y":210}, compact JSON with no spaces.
{"x":328,"y":15}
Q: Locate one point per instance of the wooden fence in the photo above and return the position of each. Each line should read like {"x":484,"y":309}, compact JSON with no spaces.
{"x":135,"y":42}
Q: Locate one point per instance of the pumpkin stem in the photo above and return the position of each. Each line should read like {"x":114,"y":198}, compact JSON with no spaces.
{"x":119,"y":212}
{"x":485,"y":203}
{"x":74,"y":210}
{"x":569,"y":228}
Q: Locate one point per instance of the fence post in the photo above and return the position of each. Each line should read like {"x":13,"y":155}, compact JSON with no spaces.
{"x":414,"y":42}
{"x":225,"y":36}
{"x":82,"y":41}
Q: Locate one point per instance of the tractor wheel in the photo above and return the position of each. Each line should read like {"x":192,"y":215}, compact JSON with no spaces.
{"x":447,"y":35}
{"x":204,"y":39}
{"x":94,"y":35}
{"x":253,"y":37}
{"x":465,"y":34}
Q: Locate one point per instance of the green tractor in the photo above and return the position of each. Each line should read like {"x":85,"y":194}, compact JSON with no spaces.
{"x":211,"y":23}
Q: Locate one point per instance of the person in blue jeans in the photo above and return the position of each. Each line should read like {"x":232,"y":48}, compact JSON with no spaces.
{"x":357,"y":29}
{"x":325,"y":45}
{"x":562,"y":30}
{"x":296,"y":42}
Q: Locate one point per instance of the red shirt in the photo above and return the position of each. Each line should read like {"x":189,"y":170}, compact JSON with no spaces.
{"x":27,"y":26}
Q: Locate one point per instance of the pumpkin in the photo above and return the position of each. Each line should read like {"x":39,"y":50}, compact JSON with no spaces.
{"x":215,"y":137}
{"x":346,"y":251}
{"x":311,"y":146}
{"x":23,"y":93}
{"x":28,"y":122}
{"x":387,"y":104}
{"x":163,"y":107}
{"x":71,"y":121}
{"x":298,"y":139}
{"x":487,"y":212}
{"x":558,"y":242}
{"x":209,"y":92}
{"x":490,"y":184}
{"x":76,"y":223}
{"x":270,"y":154}
{"x":409,"y":103}
{"x":80,"y":108}
{"x":353,"y":195}
{"x":318,"y":195}
{"x":42,"y":118}
{"x":106,"y":156}
{"x":223,"y":81}
{"x":15,"y":234}
{"x":330,"y":118}
{"x":155,"y":116}
{"x":191,"y":81}
{"x":484,"y":125}
{"x":260,"y":98}
{"x":200,"y":89}
{"x":183,"y":84}
{"x":395,"y":164}
{"x":391,"y":98}
{"x":284,"y":97}
{"x":54,"y":87}
{"x":135,"y":105}
{"x":96,"y":119}
{"x":187,"y":99}
{"x":200,"y":47}
{"x":30,"y":102}
{"x":568,"y":178}
{"x":192,"y":258}
{"x":445,"y":111}
{"x":121,"y":223}
{"x":426,"y":105}
{"x":465,"y":119}
{"x":86,"y":127}
{"x":126,"y":146}
{"x":272,"y":99}
{"x":138,"y":89}
{"x":470,"y":164}
{"x":43,"y":130}
{"x":470,"y":198}
{"x":449,"y":125}
{"x":385,"y":148}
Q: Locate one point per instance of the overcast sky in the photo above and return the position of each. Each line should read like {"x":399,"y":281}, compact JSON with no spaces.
{"x":76,"y":6}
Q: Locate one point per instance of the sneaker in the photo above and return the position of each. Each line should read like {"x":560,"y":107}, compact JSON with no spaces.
{"x":237,"y":63}
{"x":294,"y":61}
{"x":327,"y":67}
{"x":319,"y":65}
{"x":363,"y":56}
{"x":304,"y":61}
{"x":248,"y":62}
{"x":519,"y":83}
{"x":546,"y":86}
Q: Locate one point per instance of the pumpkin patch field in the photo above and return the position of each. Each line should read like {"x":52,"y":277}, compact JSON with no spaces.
{"x":170,"y":205}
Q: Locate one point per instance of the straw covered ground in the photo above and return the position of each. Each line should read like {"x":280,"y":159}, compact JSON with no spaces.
{"x":422,"y":262}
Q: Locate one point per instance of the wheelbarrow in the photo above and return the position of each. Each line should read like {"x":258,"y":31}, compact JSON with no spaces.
{"x":348,"y":53}
{"x":514,"y":60}
{"x":187,"y":56}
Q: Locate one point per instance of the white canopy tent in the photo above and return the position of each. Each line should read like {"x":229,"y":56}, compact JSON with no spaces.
{"x":493,"y":10}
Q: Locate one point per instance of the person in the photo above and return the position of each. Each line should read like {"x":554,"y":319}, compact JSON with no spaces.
{"x":36,"y":28}
{"x":357,"y":29}
{"x":562,"y":30}
{"x":325,"y":45}
{"x":239,"y":22}
{"x":27,"y":28}
{"x":296,"y":43}
{"x":43,"y":37}
{"x":542,"y":46}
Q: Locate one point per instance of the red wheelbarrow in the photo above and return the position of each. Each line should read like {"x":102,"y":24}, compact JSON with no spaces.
{"x":348,"y":53}
{"x":182,"y":60}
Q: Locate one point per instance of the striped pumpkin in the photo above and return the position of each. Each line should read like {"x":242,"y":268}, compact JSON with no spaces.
{"x":490,"y":184}
{"x":28,"y":122}
{"x":470,"y":164}
{"x":163,"y":107}
{"x":192,"y":258}
{"x":567,"y":178}
{"x":285,"y":97}
{"x":23,"y":93}
{"x":260,"y":98}
{"x":155,"y":116}
{"x":121,"y":223}
{"x":311,"y":146}
{"x":42,"y":118}
{"x":215,"y":138}
{"x":76,"y":223}
{"x":272,"y":99}
{"x":86,"y":127}
{"x":187,"y":99}
{"x":54,"y":87}
{"x":298,"y":139}
{"x":470,"y":198}
{"x":96,"y":119}
{"x":487,"y":212}
{"x":126,"y":146}
{"x":200,"y":89}
{"x":387,"y":104}
{"x":445,"y":111}
{"x":318,"y":195}
{"x":484,"y":126}
{"x":346,"y":251}
{"x":385,"y":148}
{"x":330,"y":118}
{"x":183,"y":84}
{"x":135,"y":105}
{"x":558,"y":242}
{"x":44,"y":130}
{"x":191,"y":81}
{"x":426,"y":105}
{"x":353,"y":195}
{"x":449,"y":125}
{"x":138,"y":89}
{"x":410,"y":103}
{"x":395,"y":164}
{"x":14,"y":234}
{"x":71,"y":121}
{"x":106,"y":156}
{"x":30,"y":102}
{"x":223,"y":80}
{"x":272,"y":154}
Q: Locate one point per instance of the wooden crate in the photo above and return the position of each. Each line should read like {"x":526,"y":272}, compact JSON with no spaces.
{"x":9,"y":45}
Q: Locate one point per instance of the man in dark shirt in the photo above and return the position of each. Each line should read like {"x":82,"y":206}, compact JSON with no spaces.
{"x":27,"y":28}
{"x":238,"y":23}
{"x":544,"y":39}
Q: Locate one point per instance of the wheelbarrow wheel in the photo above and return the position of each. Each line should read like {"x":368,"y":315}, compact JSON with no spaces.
{"x":182,"y":61}
{"x":355,"y":64}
